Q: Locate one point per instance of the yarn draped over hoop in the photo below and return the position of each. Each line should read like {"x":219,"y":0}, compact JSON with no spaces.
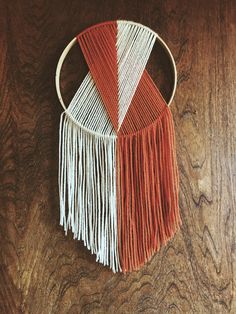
{"x":118,"y":175}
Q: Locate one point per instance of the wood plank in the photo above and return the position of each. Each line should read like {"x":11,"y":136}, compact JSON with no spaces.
{"x":42,"y":271}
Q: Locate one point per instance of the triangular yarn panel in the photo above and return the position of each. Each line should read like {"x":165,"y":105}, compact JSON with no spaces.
{"x":134,"y":46}
{"x":98,"y":45}
{"x":88,"y":110}
{"x":146,"y":106}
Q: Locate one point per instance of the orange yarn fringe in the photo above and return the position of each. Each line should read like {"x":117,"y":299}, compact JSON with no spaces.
{"x":148,"y":211}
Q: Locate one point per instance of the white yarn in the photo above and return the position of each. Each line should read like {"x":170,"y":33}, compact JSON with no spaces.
{"x":134,"y":46}
{"x":88,"y":110}
{"x":87,"y":174}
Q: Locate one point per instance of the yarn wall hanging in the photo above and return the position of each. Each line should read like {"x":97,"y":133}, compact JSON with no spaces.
{"x":118,"y":175}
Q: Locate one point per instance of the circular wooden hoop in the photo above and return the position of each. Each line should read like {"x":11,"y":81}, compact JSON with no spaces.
{"x":74,"y":41}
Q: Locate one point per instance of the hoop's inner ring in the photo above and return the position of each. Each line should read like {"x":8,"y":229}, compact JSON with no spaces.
{"x":73,"y":72}
{"x":160,"y":68}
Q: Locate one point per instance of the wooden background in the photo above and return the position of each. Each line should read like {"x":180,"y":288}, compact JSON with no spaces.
{"x":42,"y":271}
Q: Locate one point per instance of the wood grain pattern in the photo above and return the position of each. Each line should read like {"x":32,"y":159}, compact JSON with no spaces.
{"x":42,"y":271}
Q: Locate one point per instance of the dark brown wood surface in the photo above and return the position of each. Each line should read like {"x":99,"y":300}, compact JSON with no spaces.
{"x":42,"y":271}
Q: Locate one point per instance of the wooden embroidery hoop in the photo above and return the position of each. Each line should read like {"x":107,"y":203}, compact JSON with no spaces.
{"x":74,"y":41}
{"x":101,"y":163}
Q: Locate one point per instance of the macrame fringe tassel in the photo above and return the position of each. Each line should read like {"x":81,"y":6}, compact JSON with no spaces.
{"x":148,"y":211}
{"x":87,"y":188}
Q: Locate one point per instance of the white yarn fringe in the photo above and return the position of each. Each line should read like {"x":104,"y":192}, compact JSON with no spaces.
{"x":87,"y":188}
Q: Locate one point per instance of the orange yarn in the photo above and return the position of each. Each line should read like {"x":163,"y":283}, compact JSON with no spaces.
{"x":148,"y":177}
{"x":99,"y":48}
